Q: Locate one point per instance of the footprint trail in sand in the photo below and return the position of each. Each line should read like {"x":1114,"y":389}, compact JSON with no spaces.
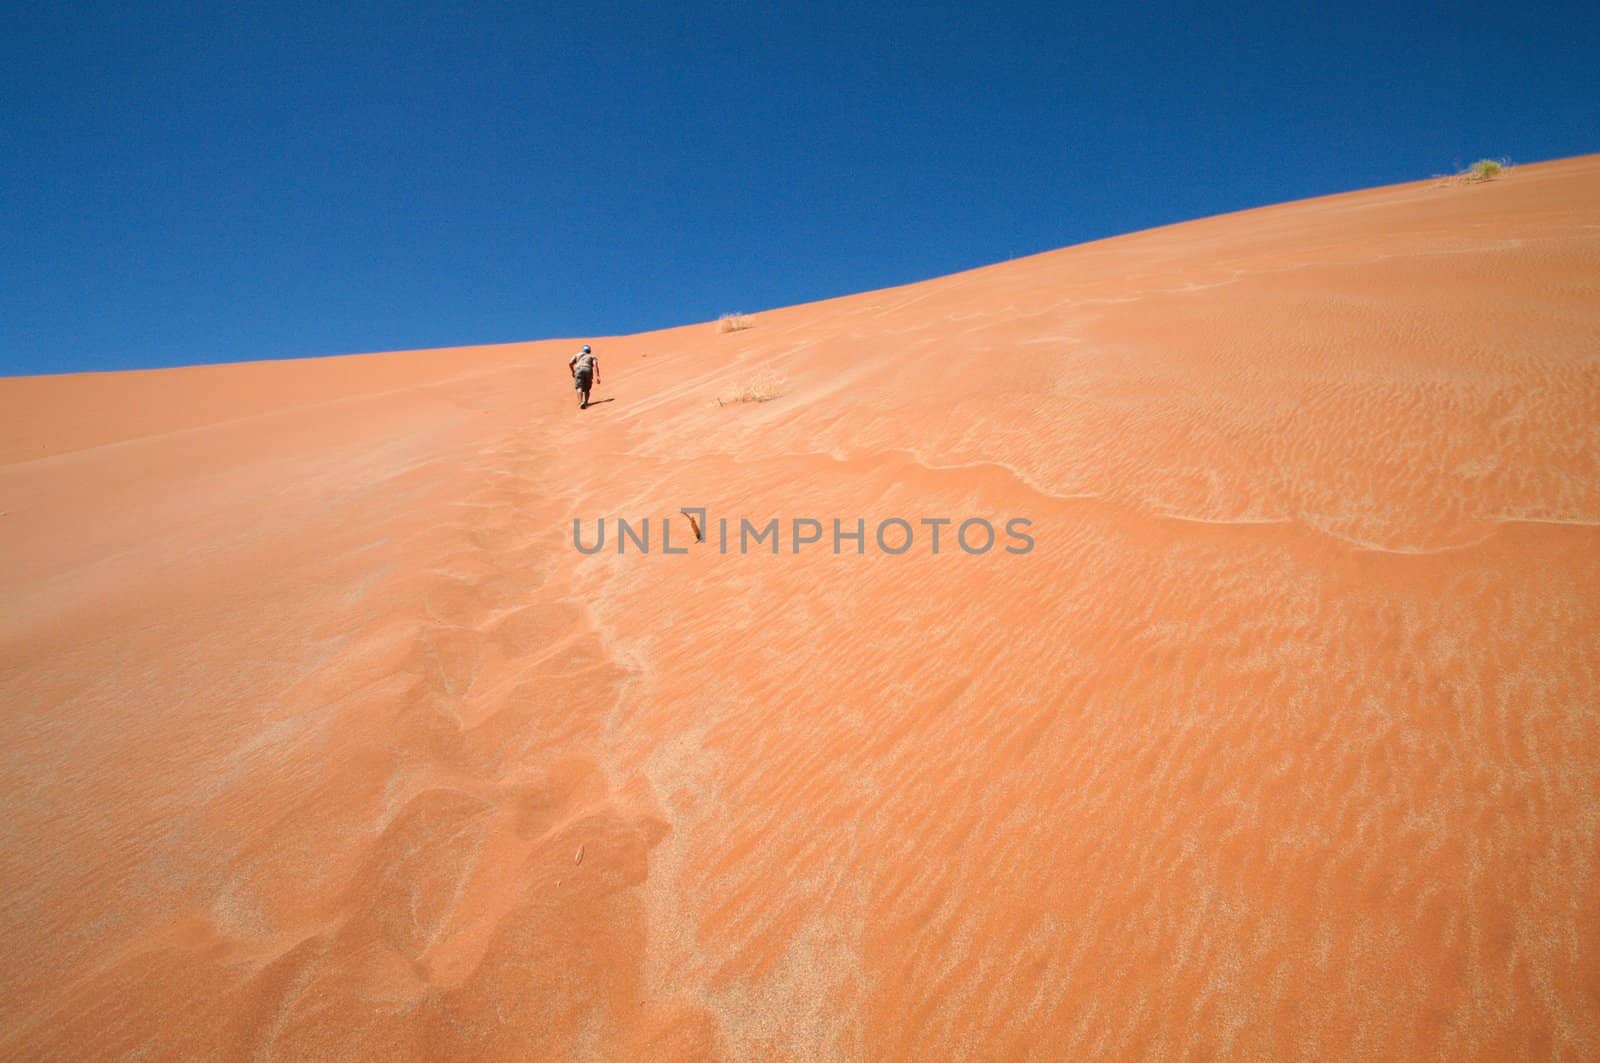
{"x":321,"y":739}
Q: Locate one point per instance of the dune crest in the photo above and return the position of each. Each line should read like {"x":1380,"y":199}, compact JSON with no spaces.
{"x":322,"y":739}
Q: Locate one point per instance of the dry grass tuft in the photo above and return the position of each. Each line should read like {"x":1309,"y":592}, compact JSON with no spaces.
{"x":1482,"y":170}
{"x":1485,"y":170}
{"x":764,"y":386}
{"x":734,"y":322}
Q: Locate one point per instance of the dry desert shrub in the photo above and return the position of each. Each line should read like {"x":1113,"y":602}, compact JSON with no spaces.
{"x":764,"y":386}
{"x":1485,"y":169}
{"x":1482,"y":170}
{"x":734,"y":322}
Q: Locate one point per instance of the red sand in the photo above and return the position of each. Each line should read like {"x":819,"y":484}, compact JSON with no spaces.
{"x":321,"y":740}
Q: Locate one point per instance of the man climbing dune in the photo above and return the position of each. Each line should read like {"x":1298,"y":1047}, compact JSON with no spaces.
{"x":585,"y":373}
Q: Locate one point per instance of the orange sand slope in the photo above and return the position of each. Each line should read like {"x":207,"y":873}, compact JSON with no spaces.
{"x":321,"y":740}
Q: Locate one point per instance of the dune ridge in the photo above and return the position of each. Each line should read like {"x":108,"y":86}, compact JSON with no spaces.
{"x":321,"y":740}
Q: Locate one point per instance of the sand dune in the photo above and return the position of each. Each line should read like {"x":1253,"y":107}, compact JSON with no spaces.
{"x":321,"y":740}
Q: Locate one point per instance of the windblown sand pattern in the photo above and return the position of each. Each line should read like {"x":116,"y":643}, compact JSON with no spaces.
{"x":321,"y":741}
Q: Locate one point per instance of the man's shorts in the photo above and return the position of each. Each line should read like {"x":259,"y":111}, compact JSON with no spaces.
{"x":580,"y":381}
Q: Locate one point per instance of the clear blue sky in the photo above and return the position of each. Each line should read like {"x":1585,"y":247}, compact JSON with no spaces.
{"x":218,"y":182}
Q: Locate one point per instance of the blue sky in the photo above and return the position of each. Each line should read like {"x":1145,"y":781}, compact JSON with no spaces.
{"x":191,"y":182}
